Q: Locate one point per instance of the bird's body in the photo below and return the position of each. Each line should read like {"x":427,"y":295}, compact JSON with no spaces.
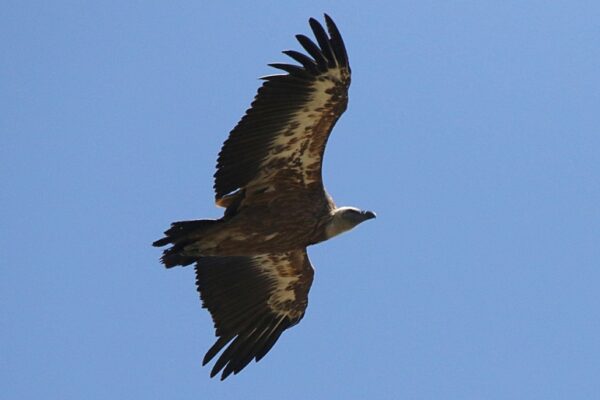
{"x":264,"y":225}
{"x":253,"y":272}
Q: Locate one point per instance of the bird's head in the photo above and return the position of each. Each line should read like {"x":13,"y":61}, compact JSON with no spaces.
{"x":346,"y":218}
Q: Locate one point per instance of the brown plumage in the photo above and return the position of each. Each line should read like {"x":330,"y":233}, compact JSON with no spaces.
{"x":253,"y":272}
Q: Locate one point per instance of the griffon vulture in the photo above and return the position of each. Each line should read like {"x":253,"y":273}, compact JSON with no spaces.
{"x":252,"y":269}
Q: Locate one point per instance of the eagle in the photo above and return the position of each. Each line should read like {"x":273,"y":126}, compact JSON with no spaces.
{"x":252,"y":269}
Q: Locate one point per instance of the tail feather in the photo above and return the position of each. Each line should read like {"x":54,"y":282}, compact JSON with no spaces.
{"x":181,"y":234}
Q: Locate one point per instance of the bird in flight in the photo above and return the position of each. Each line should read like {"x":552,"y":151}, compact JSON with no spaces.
{"x":252,"y":269}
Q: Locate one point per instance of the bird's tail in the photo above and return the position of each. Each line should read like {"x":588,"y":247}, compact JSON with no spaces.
{"x":179,"y":235}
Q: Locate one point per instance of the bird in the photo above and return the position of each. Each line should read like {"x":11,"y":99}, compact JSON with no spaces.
{"x":252,"y":269}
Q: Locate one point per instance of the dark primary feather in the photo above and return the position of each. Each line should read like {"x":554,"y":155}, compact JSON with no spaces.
{"x":293,"y":70}
{"x":337,"y":43}
{"x":314,"y":51}
{"x":280,"y":103}
{"x":308,"y":63}
{"x":240,"y":292}
{"x":323,"y":41}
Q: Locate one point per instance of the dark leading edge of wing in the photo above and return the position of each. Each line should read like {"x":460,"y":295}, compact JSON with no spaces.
{"x":242,"y":296}
{"x":277,"y":103}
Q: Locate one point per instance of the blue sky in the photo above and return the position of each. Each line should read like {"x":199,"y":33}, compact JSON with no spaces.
{"x":473,"y":131}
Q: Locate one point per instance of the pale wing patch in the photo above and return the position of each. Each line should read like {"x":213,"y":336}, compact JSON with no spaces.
{"x":294,"y":148}
{"x":271,"y":236}
{"x":289,"y":275}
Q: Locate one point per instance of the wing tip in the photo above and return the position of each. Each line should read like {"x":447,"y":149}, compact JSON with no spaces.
{"x":328,"y":19}
{"x":337,"y":43}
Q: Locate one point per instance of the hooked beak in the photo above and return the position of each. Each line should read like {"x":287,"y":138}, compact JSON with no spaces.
{"x":368,"y":215}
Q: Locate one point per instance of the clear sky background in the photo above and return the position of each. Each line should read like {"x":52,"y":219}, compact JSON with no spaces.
{"x":473,"y":131}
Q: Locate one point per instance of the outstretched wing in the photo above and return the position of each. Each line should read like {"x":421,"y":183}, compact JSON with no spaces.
{"x":252,"y":300}
{"x":282,"y":137}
